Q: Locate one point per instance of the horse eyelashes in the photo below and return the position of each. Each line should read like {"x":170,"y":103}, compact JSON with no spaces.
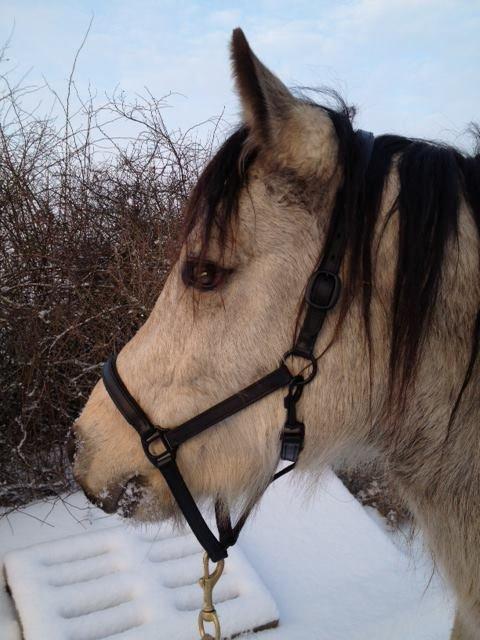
{"x":203,"y":275}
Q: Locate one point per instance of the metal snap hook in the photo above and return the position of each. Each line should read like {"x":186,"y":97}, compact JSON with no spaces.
{"x":208,"y":613}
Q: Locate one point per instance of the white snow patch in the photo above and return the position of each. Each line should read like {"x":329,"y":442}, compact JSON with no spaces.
{"x":334,"y":573}
{"x":122,"y":583}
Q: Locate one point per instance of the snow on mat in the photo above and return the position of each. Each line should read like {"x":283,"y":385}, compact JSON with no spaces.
{"x":125,"y":584}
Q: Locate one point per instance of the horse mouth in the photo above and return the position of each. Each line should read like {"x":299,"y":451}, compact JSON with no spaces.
{"x":131,"y":497}
{"x":122,"y":499}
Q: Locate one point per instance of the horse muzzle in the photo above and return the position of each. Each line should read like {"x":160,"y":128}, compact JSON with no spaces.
{"x":122,"y":497}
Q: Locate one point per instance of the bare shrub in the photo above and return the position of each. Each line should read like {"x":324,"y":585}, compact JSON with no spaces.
{"x":88,"y":222}
{"x":373,"y":486}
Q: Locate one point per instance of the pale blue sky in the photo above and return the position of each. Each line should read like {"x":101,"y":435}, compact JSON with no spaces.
{"x":411,"y":66}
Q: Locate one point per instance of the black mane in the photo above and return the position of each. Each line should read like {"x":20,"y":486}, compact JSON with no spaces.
{"x":434,"y":178}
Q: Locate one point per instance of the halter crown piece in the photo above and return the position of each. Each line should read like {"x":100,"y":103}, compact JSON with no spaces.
{"x":321,"y":295}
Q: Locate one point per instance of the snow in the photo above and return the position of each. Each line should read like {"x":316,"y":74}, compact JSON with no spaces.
{"x":332,"y":569}
{"x":336,"y":575}
{"x":118,"y":582}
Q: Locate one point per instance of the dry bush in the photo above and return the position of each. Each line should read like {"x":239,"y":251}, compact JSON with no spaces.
{"x":373,"y":486}
{"x":88,"y":223}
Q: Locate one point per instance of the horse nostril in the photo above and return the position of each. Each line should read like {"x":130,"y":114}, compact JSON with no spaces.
{"x":107,"y":504}
{"x":71,"y":447}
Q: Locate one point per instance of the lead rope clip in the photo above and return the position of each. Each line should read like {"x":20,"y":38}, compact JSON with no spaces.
{"x":208,"y":614}
{"x":293,"y":433}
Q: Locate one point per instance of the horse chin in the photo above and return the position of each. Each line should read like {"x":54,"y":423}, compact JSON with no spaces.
{"x":140,"y":504}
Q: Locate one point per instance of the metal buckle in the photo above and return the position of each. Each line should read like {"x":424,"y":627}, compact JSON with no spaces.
{"x":163,"y":459}
{"x":158,"y":460}
{"x":334,"y":294}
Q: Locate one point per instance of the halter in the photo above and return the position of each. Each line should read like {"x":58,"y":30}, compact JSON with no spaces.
{"x":321,"y":295}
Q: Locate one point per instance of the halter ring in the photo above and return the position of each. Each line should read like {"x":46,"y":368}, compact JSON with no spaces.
{"x":312,"y":362}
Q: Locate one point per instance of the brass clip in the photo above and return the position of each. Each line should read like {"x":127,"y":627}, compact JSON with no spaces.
{"x":208,"y":612}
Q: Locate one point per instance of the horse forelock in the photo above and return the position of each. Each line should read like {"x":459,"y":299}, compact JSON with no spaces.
{"x":213,"y":204}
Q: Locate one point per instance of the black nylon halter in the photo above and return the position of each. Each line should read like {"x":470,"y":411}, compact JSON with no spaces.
{"x":322,"y":294}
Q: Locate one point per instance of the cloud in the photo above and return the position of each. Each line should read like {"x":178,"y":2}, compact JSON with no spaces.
{"x":410,"y":65}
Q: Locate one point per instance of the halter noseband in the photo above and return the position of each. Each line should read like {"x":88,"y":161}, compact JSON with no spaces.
{"x":321,"y":295}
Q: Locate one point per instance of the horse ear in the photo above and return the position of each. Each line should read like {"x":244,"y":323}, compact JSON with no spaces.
{"x":265,"y":99}
{"x":297,"y":134}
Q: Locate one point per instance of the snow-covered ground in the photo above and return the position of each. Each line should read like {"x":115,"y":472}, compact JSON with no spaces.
{"x":333,"y":570}
{"x":123,"y":583}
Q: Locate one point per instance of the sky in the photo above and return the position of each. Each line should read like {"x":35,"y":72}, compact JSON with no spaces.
{"x":410,"y":66}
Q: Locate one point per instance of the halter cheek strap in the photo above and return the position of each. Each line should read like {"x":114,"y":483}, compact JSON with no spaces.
{"x":322,"y":294}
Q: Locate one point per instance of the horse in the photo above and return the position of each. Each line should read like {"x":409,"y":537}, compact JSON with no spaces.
{"x":398,"y":373}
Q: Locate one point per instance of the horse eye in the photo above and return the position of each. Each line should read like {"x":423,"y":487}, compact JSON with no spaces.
{"x":202,"y":275}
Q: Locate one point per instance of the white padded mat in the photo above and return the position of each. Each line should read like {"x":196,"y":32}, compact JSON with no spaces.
{"x":123,"y":584}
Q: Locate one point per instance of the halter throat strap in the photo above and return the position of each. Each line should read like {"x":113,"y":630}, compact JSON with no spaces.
{"x":324,"y":287}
